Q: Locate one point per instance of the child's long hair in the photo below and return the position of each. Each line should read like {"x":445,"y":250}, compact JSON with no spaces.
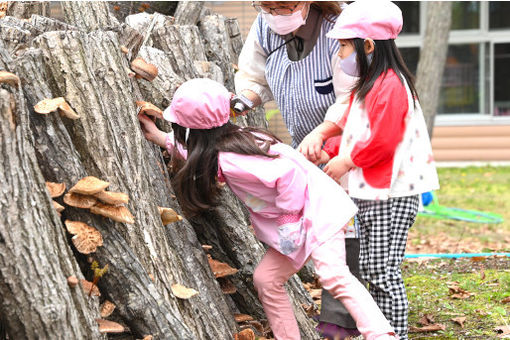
{"x":195,"y":182}
{"x":386,"y":56}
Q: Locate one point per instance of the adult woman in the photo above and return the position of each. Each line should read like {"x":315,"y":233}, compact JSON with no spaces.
{"x":287,"y":57}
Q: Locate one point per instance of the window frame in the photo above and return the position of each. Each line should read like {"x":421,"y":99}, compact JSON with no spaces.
{"x":482,"y":36}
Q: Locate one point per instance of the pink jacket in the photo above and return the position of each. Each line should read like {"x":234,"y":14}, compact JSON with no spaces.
{"x":294,"y":206}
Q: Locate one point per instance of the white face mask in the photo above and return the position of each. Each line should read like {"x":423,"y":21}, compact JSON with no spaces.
{"x":284,"y":24}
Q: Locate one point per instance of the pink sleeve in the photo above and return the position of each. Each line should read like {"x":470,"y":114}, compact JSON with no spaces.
{"x":258,"y":176}
{"x":170,"y":146}
{"x":387,"y":107}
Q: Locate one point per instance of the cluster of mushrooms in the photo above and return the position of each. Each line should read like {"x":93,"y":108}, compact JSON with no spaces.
{"x":90,"y":193}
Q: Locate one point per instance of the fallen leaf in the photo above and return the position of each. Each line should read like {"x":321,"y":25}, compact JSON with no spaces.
{"x":503,"y":331}
{"x":458,"y":293}
{"x":478,"y":258}
{"x":427,"y":319}
{"x":429,"y":328}
{"x":460,"y":320}
{"x":506,"y":300}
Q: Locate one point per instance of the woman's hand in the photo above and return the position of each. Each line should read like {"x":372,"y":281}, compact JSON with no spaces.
{"x":151,"y":131}
{"x":311,"y":147}
{"x":338,"y":166}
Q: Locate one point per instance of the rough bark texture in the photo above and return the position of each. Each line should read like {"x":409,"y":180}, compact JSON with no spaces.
{"x":81,"y":60}
{"x":432,"y":58}
{"x":35,"y":258}
{"x":25,"y":9}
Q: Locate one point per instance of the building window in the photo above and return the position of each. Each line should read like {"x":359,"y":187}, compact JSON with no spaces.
{"x":498,"y":14}
{"x":411,"y":15}
{"x":502,"y":79}
{"x":465,"y":15}
{"x":460,"y":88}
{"x":411,"y":55}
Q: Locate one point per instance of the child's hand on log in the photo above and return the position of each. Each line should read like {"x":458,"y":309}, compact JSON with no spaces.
{"x":151,"y":131}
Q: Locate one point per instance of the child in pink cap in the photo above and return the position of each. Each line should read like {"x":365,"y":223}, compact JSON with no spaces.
{"x":384,"y":157}
{"x":294,"y":207}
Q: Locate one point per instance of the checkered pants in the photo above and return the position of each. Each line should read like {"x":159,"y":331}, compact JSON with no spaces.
{"x":384,"y":226}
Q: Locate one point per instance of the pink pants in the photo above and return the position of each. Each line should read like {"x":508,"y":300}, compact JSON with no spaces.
{"x":329,"y":259}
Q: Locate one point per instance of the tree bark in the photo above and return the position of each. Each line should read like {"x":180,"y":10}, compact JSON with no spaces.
{"x":25,"y":9}
{"x":85,"y":65}
{"x":432,"y":58}
{"x":35,"y":259}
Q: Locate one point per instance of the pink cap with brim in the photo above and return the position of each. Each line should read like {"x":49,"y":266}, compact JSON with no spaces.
{"x":375,"y":19}
{"x":199,"y":103}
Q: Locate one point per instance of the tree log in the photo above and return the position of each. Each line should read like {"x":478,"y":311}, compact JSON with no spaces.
{"x":89,"y":15}
{"x":35,"y":259}
{"x":85,"y":65}
{"x":25,"y":9}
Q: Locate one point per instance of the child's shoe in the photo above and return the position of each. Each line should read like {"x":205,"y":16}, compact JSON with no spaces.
{"x":335,"y":332}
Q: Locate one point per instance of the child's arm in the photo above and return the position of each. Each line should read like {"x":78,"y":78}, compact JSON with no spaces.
{"x":338,"y":166}
{"x":311,"y":145}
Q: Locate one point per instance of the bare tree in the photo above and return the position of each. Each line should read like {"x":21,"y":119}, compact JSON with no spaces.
{"x":432,"y":58}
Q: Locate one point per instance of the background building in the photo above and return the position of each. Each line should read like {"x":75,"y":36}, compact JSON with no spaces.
{"x":473,"y":118}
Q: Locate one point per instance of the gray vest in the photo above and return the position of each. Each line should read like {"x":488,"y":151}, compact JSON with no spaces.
{"x":303,"y":89}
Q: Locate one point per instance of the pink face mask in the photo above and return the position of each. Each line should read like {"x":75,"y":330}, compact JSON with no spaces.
{"x":284,"y":24}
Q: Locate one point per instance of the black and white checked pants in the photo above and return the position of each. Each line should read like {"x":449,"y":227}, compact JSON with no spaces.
{"x":384,"y":226}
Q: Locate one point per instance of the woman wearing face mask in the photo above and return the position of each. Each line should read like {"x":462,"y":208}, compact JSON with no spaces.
{"x":287,"y":57}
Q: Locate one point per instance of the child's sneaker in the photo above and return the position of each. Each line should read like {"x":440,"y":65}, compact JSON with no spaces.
{"x":335,"y":332}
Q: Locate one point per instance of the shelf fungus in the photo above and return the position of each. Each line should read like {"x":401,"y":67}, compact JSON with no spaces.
{"x":168,"y":215}
{"x":107,"y":309}
{"x":106,"y":326}
{"x":86,"y":239}
{"x":55,"y":189}
{"x":9,"y":78}
{"x":79,"y":201}
{"x":242,"y":317}
{"x":58,"y":207}
{"x":56,"y":104}
{"x":113,"y":198}
{"x":149,"y":108}
{"x":220,"y":269}
{"x":144,"y":69}
{"x":116,"y":213}
{"x":245,"y":334}
{"x":183,"y":292}
{"x":89,"y":185}
{"x":227,"y":287}
{"x":72,"y":281}
{"x":89,"y":288}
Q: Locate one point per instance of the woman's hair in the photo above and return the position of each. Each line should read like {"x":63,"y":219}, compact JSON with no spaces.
{"x":329,"y":9}
{"x":195,"y":181}
{"x":385,"y":56}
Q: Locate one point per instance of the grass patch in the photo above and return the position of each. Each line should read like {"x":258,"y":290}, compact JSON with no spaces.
{"x":427,"y":289}
{"x":485,"y":189}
